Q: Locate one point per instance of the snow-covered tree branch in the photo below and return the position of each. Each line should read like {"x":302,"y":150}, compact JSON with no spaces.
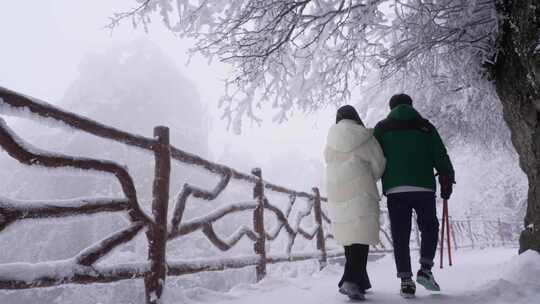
{"x":309,"y":54}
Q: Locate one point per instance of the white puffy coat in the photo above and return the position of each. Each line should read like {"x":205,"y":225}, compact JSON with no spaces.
{"x":354,"y":163}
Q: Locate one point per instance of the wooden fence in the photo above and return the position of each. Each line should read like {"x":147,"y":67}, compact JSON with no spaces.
{"x":83,"y":268}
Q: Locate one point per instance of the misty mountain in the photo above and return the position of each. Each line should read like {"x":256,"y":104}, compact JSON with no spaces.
{"x":132,"y":86}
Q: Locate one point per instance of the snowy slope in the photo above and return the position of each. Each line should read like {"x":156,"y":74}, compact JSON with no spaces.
{"x":478,"y":276}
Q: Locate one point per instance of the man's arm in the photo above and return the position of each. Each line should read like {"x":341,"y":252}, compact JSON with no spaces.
{"x":441,"y":160}
{"x":443,"y":164}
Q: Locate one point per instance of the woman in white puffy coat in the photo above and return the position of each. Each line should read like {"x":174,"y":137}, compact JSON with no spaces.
{"x":354,"y":164}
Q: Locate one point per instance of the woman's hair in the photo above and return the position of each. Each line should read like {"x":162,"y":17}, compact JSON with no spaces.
{"x":348,"y":112}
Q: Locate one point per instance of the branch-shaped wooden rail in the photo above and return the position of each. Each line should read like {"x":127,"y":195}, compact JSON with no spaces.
{"x":23,"y":152}
{"x":81,"y":268}
{"x":16,"y":210}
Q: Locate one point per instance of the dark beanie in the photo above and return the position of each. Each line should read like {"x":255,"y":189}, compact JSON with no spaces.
{"x":400,"y":99}
{"x":348,"y":112}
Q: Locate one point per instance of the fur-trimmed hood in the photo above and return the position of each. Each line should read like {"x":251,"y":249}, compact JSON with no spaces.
{"x":347,"y":135}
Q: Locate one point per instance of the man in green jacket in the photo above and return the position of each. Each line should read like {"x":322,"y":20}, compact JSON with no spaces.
{"x":413,"y":149}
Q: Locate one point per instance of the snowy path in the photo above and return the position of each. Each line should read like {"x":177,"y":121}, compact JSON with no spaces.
{"x":479,"y":276}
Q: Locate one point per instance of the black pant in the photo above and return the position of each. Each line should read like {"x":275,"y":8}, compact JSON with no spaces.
{"x":356,"y":256}
{"x":400,"y":207}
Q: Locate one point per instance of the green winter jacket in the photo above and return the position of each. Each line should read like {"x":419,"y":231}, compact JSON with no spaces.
{"x":413,"y":148}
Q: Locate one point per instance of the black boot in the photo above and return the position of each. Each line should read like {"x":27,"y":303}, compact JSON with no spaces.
{"x":408,"y":288}
{"x":352,"y":291}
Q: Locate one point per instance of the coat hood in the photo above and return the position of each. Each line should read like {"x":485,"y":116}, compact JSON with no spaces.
{"x":404,"y":112}
{"x":347,"y":135}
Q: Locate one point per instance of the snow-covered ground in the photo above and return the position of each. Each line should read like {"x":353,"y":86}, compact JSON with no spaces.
{"x":495,"y":275}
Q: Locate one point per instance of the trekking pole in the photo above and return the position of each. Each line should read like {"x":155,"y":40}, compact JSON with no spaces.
{"x":442,"y":234}
{"x":445,"y":226}
{"x":448,"y":233}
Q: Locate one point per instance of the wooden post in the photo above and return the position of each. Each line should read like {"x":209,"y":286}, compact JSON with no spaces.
{"x":258,"y":224}
{"x":154,"y":281}
{"x":321,"y":243}
{"x":471,"y":234}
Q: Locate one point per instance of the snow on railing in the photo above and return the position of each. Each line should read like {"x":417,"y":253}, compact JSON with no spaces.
{"x":82,"y":268}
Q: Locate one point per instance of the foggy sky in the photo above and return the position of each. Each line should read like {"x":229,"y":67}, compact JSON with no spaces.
{"x":44,"y":41}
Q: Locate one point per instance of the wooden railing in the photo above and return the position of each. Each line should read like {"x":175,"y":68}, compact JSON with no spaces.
{"x":83,"y":268}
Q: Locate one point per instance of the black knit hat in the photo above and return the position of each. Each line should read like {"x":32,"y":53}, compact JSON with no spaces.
{"x":400,"y":99}
{"x":348,"y":112}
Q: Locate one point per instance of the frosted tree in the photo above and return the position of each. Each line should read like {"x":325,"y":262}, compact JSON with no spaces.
{"x":306,"y":54}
